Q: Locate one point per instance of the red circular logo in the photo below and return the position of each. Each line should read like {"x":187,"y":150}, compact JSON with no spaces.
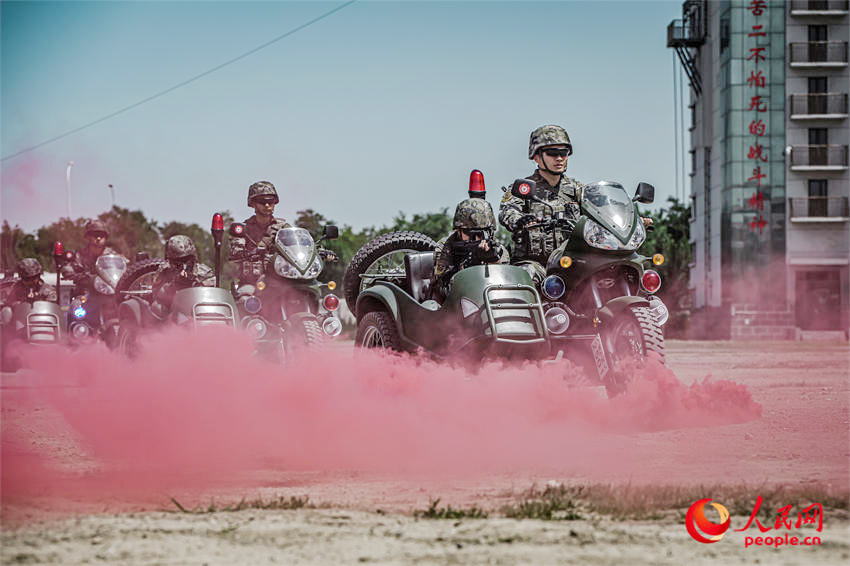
{"x":697,"y":523}
{"x":524,"y":189}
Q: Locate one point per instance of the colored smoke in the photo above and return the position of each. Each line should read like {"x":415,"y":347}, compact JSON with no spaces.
{"x":200,"y":409}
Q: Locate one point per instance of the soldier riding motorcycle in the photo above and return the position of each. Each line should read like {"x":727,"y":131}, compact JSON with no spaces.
{"x":596,"y":287}
{"x":29,"y":313}
{"x":283,"y":304}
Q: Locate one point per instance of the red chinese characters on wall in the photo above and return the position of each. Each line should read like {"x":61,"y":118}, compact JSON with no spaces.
{"x":756,"y":83}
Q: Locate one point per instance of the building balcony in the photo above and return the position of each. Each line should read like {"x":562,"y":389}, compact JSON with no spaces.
{"x":818,"y":209}
{"x":819,"y":158}
{"x":826,"y":106}
{"x":818,"y":54}
{"x":682,"y":33}
{"x":819,"y":7}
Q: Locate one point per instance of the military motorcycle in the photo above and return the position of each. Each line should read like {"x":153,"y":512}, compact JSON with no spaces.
{"x":489,"y":310}
{"x":94,"y":311}
{"x":284,"y":308}
{"x":598,"y":290}
{"x":29,"y":322}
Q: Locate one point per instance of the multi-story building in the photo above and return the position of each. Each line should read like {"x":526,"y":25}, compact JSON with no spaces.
{"x":770,"y":227}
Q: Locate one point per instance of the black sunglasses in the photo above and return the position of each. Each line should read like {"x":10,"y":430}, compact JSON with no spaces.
{"x":557,"y":152}
{"x":266,"y":200}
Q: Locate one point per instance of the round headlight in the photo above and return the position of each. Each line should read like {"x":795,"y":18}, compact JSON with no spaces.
{"x":315,"y":269}
{"x":332,"y":326}
{"x":285,"y":269}
{"x":80,"y":331}
{"x":553,"y":287}
{"x":256,"y":327}
{"x":557,"y":320}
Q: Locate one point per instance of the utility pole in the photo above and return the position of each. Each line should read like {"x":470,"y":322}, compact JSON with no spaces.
{"x":68,"y":186}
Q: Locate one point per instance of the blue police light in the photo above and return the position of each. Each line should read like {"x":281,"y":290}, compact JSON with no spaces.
{"x":79,"y":312}
{"x":553,"y":287}
{"x":253,"y":304}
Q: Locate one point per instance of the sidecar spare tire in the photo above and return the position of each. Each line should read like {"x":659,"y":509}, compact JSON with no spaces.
{"x":139,"y":274}
{"x":381,"y":257}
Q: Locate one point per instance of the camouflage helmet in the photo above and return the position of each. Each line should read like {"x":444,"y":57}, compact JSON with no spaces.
{"x":94,"y":226}
{"x":261,"y":189}
{"x":29,"y":268}
{"x":474,"y":214}
{"x":180,"y":247}
{"x":548,"y":135}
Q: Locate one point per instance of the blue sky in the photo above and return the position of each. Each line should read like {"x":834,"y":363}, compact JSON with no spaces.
{"x":380,"y":107}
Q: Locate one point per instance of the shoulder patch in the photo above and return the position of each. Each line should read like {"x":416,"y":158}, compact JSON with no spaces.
{"x":507,"y":197}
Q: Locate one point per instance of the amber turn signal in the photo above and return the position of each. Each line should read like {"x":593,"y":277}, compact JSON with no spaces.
{"x":658,"y":259}
{"x":331,"y":285}
{"x":261,"y":285}
{"x":566,"y":261}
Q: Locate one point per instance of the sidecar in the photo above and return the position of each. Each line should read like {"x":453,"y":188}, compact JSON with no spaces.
{"x":489,"y":310}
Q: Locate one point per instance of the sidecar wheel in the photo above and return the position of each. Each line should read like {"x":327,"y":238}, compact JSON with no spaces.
{"x":633,"y":334}
{"x":377,"y":330}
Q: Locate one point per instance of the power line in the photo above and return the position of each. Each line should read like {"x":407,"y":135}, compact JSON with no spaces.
{"x":181,"y":84}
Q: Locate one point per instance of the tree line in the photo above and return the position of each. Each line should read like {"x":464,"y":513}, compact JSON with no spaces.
{"x":130,"y":231}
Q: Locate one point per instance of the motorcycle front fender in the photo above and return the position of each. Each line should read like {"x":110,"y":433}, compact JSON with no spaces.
{"x":617,"y":305}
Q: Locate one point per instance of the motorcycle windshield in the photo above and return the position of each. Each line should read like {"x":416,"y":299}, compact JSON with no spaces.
{"x":110,"y":268}
{"x":297,"y":246}
{"x":610,"y":205}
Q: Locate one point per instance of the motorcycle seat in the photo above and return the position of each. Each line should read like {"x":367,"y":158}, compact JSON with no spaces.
{"x":418,"y":268}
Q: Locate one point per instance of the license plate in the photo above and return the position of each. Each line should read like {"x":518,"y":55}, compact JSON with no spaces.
{"x":599,"y":356}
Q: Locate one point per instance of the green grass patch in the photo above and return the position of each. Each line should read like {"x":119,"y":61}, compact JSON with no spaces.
{"x":434,"y":511}
{"x":279,"y":503}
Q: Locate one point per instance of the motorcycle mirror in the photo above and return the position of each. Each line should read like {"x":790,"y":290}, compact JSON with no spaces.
{"x":237,"y":229}
{"x":330,"y":232}
{"x":645,"y":193}
{"x":524,"y":189}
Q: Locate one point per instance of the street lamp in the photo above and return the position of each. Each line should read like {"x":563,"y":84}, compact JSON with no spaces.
{"x":112,"y":192}
{"x":68,"y":186}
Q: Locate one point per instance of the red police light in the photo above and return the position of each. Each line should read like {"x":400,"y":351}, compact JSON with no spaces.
{"x":651,"y":281}
{"x":476,"y":183}
{"x":58,"y":249}
{"x":331,"y":302}
{"x":217,"y":222}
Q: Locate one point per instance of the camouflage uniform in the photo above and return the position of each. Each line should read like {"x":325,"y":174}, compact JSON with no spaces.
{"x":532,"y":248}
{"x":28,"y":268}
{"x":19,"y":293}
{"x":254,"y":236}
{"x":470,"y":214}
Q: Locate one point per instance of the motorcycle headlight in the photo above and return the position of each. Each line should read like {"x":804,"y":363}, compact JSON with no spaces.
{"x":315,"y":269}
{"x":637,"y":238}
{"x":103,"y":287}
{"x":553,"y":287}
{"x":256,"y":327}
{"x":285,"y":269}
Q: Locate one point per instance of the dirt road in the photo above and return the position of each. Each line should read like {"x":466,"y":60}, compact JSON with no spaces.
{"x":626,"y":506}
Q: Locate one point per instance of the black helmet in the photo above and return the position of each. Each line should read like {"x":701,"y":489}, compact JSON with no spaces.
{"x":180,"y":248}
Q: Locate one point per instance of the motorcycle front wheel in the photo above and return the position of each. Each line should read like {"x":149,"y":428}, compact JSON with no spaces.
{"x":634,"y":333}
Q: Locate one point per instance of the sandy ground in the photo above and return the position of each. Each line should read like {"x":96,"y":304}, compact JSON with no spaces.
{"x":802,"y":439}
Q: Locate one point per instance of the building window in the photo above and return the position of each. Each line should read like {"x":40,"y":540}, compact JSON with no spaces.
{"x":817,"y":85}
{"x":817,"y":33}
{"x":724,"y":34}
{"x":817,"y":197}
